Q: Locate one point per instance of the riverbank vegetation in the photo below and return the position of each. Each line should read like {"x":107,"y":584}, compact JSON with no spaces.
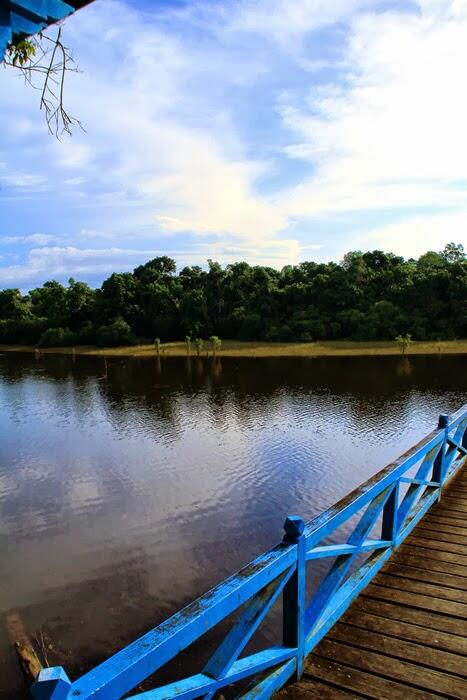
{"x":239,"y":348}
{"x":368,"y":297}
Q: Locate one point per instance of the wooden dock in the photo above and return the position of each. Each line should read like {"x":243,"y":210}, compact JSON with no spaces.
{"x":405,"y":636}
{"x":386,"y":618}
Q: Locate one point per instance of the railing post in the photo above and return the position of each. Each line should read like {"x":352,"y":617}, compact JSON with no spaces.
{"x":389,"y":526}
{"x":51,"y":684}
{"x":438,"y":465}
{"x":294,"y":596}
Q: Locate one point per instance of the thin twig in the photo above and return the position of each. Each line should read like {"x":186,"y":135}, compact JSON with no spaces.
{"x":52,"y":63}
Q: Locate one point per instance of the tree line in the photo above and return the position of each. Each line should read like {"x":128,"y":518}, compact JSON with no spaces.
{"x":367,"y":296}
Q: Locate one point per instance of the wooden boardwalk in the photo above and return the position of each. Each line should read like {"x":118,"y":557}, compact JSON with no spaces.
{"x":405,"y":636}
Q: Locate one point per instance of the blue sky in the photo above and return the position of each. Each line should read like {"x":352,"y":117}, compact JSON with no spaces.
{"x":269,"y":131}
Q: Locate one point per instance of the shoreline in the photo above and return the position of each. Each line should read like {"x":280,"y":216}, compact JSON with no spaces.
{"x":231,"y":348}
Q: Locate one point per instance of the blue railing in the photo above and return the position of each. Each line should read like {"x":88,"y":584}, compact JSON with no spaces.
{"x":21,"y":18}
{"x":390,"y":503}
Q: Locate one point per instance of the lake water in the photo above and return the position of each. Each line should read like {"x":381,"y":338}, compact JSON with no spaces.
{"x":124,"y":496}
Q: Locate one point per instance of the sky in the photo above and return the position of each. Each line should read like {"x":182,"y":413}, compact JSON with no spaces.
{"x":269,"y":131}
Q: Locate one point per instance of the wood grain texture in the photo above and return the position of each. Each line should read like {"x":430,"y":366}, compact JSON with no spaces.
{"x":405,"y":636}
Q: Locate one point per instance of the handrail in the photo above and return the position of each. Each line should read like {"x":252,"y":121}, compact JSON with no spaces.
{"x":391,"y":503}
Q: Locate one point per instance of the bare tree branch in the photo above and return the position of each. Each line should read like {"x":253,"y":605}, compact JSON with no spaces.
{"x":48,"y":60}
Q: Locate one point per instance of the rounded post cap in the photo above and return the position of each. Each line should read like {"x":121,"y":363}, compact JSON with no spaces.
{"x":443,"y":420}
{"x":294,"y":527}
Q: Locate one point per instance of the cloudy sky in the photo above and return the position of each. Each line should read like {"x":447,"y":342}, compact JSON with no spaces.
{"x":269,"y":131}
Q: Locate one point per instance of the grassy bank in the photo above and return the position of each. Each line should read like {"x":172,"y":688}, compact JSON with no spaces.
{"x":234,"y":348}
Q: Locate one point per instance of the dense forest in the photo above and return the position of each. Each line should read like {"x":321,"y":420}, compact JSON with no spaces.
{"x":367,"y":296}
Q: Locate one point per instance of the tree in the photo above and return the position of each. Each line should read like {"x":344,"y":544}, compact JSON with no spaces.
{"x":80,"y":303}
{"x":404,"y":342}
{"x":13,"y":306}
{"x":116,"y":333}
{"x":216,"y":343}
{"x":50,"y":301}
{"x":117,"y":298}
{"x":373,"y":295}
{"x":453,"y":252}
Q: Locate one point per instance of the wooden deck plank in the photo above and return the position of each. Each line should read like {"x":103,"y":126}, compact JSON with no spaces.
{"x":444,"y":519}
{"x":442,"y":534}
{"x":357,"y":681}
{"x":418,"y":574}
{"x":420,"y":654}
{"x":454,"y":500}
{"x":431,"y":559}
{"x":429,"y":550}
{"x":406,"y":630}
{"x":393,"y":581}
{"x":405,"y":636}
{"x":417,"y":601}
{"x":436,"y":543}
{"x":424,"y":618}
{"x":393,"y":669}
{"x":452,"y":507}
{"x":308,"y":689}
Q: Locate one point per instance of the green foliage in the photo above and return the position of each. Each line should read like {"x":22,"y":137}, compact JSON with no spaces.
{"x":23,"y":332}
{"x":56,"y":338}
{"x":369,"y":296}
{"x":21,"y":52}
{"x":216,"y":343}
{"x":404,"y":342}
{"x":116,"y":333}
{"x":453,"y":252}
{"x":13,"y":306}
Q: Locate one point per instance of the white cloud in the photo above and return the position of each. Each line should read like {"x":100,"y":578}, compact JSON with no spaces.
{"x":287,"y":22}
{"x":178,"y":124}
{"x":415,"y":235}
{"x":394,"y":134}
{"x":24,"y":181}
{"x":61,"y":262}
{"x":33,"y":239}
{"x":196,"y":176}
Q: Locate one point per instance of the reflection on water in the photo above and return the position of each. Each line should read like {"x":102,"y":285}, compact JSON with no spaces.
{"x":123,"y":496}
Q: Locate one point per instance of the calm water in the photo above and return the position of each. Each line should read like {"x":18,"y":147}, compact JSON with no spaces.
{"x":122,"y":498}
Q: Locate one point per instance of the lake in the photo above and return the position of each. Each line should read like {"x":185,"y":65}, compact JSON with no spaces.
{"x":127,"y":491}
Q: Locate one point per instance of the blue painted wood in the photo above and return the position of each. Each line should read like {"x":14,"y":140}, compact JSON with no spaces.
{"x":389,"y":524}
{"x":43,"y":10}
{"x":270,"y":683}
{"x":51,"y":684}
{"x":336,"y":515}
{"x":336,"y":575}
{"x":438,"y":465}
{"x":254,"y":589}
{"x":424,"y":504}
{"x":198,"y":685}
{"x":293,"y":604}
{"x":451,"y":450}
{"x":336,"y":550}
{"x":245,"y":627}
{"x":22,"y":18}
{"x":127,"y":668}
{"x":345,"y":595}
{"x":415,"y":490}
